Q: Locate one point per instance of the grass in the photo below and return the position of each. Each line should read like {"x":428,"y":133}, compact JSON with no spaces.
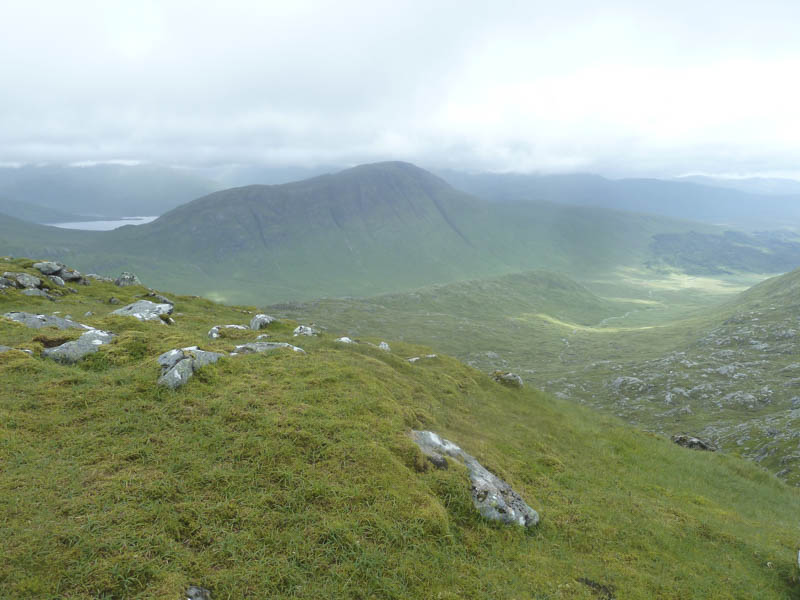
{"x":287,"y":475}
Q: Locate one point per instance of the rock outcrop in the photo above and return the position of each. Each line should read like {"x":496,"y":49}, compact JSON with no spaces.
{"x":39,"y":321}
{"x":694,"y":443}
{"x":125,"y":279}
{"x":507,"y":378}
{"x":260,"y":321}
{"x":71,"y":352}
{"x":304,"y":330}
{"x":178,"y":366}
{"x":258,"y":347}
{"x":493,"y":497}
{"x":214,"y":332}
{"x":144,"y":310}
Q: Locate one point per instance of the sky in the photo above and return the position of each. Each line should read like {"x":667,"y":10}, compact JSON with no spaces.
{"x":622,"y":88}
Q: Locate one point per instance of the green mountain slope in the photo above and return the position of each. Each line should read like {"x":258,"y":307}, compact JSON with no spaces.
{"x":289,"y":475}
{"x":372,"y":229}
{"x":35,"y":213}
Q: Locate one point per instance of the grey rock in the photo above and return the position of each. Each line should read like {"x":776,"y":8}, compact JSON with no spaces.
{"x":5,"y":349}
{"x":48,"y":268}
{"x":345,"y":340}
{"x":70,"y":275}
{"x":39,"y":321}
{"x":114,"y":300}
{"x":260,"y":321}
{"x":35,"y":292}
{"x":414,"y":359}
{"x":159,"y":298}
{"x":126,"y":279}
{"x":23,"y":279}
{"x":493,"y":497}
{"x":88,"y":313}
{"x":71,"y":352}
{"x":178,"y":365}
{"x":694,"y":443}
{"x":214,"y":332}
{"x":384,"y":346}
{"x":144,"y":310}
{"x":258,"y":347}
{"x":197,"y":593}
{"x":97,"y":277}
{"x":57,"y":280}
{"x":263,"y":336}
{"x":304,"y":330}
{"x":510,"y":379}
{"x":5,"y":282}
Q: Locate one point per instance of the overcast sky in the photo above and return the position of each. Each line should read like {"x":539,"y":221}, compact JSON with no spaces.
{"x":616,"y":87}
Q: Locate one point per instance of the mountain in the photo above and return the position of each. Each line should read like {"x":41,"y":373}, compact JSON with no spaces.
{"x":675,"y":199}
{"x":36,"y":214}
{"x":108,"y":190}
{"x":753,"y":185}
{"x":284,"y":474}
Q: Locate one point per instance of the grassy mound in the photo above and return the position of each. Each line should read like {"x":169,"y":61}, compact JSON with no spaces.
{"x":289,"y":475}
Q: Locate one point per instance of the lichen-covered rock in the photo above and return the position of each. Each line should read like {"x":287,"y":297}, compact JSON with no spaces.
{"x":126,"y":279}
{"x":48,"y":268}
{"x":493,"y":497}
{"x":694,"y":443}
{"x":304,"y":330}
{"x":23,"y":280}
{"x":33,"y":292}
{"x":39,"y":321}
{"x":214,"y":332}
{"x":178,"y":365}
{"x":260,"y":321}
{"x":258,"y":347}
{"x":70,"y":275}
{"x":97,"y":277}
{"x":56,"y":280}
{"x":5,"y":282}
{"x":144,"y":310}
{"x":507,"y":378}
{"x":71,"y":352}
{"x":197,"y":593}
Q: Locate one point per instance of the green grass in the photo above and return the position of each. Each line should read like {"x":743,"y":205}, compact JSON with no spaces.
{"x":287,"y":475}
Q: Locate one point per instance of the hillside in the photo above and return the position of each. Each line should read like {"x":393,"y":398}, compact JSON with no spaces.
{"x":674,"y":199}
{"x":719,"y":366}
{"x":28,"y":211}
{"x":293,"y":475}
{"x":379,"y":228}
{"x":109,"y":190}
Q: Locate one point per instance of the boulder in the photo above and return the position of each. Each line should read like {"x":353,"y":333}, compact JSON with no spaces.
{"x":144,"y":310}
{"x":39,"y":321}
{"x":509,"y":379}
{"x":35,"y":292}
{"x":57,"y":280}
{"x":48,"y":268}
{"x":345,"y":340}
{"x":5,"y":282}
{"x":23,"y":280}
{"x":258,"y":347}
{"x":114,"y":300}
{"x":260,"y":321}
{"x":384,"y":346}
{"x":689,"y":441}
{"x":126,"y":279}
{"x":414,"y":359}
{"x":214,"y":332}
{"x":178,"y":365}
{"x":197,"y":593}
{"x":71,"y":352}
{"x":70,"y":275}
{"x":493,"y":497}
{"x":158,"y":297}
{"x":97,"y":277}
{"x":304,"y":330}
{"x":5,"y":349}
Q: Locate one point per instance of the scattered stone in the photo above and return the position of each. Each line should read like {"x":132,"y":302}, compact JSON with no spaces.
{"x":70,"y":275}
{"x":214,"y":332}
{"x":493,"y":497}
{"x":23,"y":280}
{"x":304,"y":330}
{"x":159,"y":297}
{"x":114,"y":300}
{"x":144,"y":310}
{"x":7,"y":283}
{"x":384,"y":346}
{"x":509,"y":379}
{"x":5,"y":349}
{"x":97,"y":277}
{"x":88,"y":313}
{"x":257,"y":347}
{"x":178,"y":366}
{"x":263,"y":336}
{"x":125,"y":279}
{"x":197,"y":593}
{"x":57,"y":280}
{"x":689,"y":441}
{"x":48,"y":267}
{"x":71,"y":352}
{"x":345,"y":340}
{"x":39,"y":321}
{"x":260,"y":321}
{"x":35,"y":292}
{"x":414,"y":359}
